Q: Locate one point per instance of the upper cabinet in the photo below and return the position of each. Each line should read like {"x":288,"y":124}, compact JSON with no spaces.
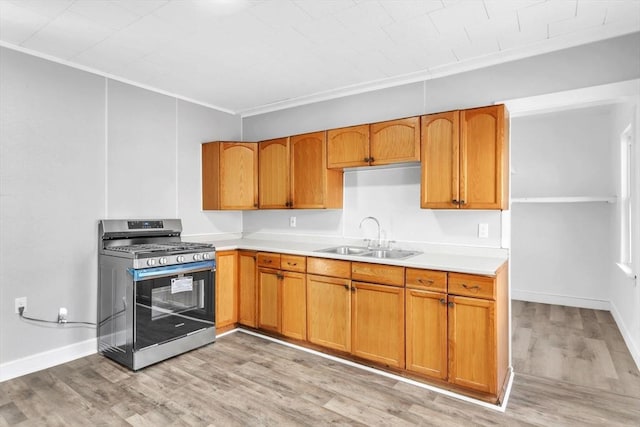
{"x":465,"y":159}
{"x":274,"y":180}
{"x":229,"y":175}
{"x":294,"y":174}
{"x":383,"y":143}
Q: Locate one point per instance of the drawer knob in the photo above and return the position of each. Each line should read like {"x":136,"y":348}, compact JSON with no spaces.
{"x":471,"y":288}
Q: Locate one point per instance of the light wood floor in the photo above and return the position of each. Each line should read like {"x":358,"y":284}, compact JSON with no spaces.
{"x":563,"y":378}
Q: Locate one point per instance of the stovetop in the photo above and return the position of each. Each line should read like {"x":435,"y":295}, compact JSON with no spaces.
{"x":166,"y":247}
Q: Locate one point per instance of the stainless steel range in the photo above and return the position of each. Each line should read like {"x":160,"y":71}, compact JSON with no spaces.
{"x":155,"y":292}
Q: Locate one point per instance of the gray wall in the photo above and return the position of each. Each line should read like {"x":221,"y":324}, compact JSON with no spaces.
{"x":76,"y":147}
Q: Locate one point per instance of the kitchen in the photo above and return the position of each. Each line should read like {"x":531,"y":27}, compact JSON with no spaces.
{"x":73,"y":143}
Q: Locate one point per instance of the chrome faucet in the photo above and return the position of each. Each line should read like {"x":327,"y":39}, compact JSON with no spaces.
{"x":379,"y":244}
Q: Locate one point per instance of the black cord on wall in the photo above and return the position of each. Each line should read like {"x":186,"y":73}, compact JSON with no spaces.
{"x":22,"y":316}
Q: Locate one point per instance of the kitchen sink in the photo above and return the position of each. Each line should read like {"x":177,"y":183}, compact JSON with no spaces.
{"x":390,"y":253}
{"x":370,"y":253}
{"x":345,"y":250}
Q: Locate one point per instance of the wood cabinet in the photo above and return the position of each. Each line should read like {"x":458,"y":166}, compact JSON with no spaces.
{"x":377,"y":323}
{"x":382,"y":143}
{"x":465,"y":159}
{"x":329,"y":312}
{"x":426,"y":333}
{"x":294,"y":174}
{"x":274,"y":183}
{"x":478,"y":331}
{"x":247,"y":289}
{"x":226,"y":299}
{"x":282,"y":295}
{"x":229,"y":176}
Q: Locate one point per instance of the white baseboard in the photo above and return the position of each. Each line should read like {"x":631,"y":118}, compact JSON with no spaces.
{"x":633,"y":348}
{"x":47,"y":359}
{"x":570,"y":301}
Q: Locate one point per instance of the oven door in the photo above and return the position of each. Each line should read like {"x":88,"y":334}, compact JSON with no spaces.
{"x":172,"y":302}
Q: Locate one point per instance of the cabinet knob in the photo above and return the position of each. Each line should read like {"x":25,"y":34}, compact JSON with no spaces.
{"x":462,"y":202}
{"x":450,"y":304}
{"x":443,"y":301}
{"x":366,"y":159}
{"x":353,"y":289}
{"x":346,"y":287}
{"x":455,"y":202}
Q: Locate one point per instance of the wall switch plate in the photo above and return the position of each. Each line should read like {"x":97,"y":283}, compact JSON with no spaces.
{"x":483,"y":231}
{"x":21,"y":302}
{"x":292,"y":221}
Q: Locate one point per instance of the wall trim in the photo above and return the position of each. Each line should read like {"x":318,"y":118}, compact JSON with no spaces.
{"x":47,"y":359}
{"x":566,"y":300}
{"x":628,"y":339}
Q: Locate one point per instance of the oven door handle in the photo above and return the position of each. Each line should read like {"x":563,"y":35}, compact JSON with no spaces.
{"x":170,"y":270}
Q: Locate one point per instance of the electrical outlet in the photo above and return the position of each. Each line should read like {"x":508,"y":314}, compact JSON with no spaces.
{"x":292,"y":221}
{"x":62,"y":315}
{"x":21,"y":302}
{"x":483,"y":231}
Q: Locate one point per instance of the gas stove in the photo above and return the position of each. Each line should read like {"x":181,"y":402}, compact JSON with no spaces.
{"x":151,"y":243}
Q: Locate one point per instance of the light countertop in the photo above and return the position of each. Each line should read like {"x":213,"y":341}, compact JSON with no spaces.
{"x":483,"y":261}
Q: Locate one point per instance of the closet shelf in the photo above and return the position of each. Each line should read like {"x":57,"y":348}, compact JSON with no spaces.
{"x":571,"y":199}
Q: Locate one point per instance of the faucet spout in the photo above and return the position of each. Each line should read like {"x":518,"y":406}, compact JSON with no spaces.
{"x":377,"y":223}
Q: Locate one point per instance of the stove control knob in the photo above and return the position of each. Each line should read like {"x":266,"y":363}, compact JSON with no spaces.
{"x":162,"y":260}
{"x":197,"y":257}
{"x":180,"y":258}
{"x":206,"y":256}
{"x":151,"y":262}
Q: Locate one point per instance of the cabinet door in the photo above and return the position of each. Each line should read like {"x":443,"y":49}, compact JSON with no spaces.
{"x":269,"y":300}
{"x":329,"y":312}
{"x":472,"y":343}
{"x":348,"y":147}
{"x":312,"y":184}
{"x":483,"y":171}
{"x":274,"y":181}
{"x":395,"y":141}
{"x":377,"y":317}
{"x":238,"y":175}
{"x":440,"y":161}
{"x":226,"y":290}
{"x":427,"y":333}
{"x":294,"y":305}
{"x":247,"y":292}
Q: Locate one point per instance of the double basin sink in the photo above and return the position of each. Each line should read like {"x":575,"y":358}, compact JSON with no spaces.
{"x":370,"y":253}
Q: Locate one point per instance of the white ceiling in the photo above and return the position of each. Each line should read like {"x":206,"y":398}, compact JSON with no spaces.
{"x":249,"y":56}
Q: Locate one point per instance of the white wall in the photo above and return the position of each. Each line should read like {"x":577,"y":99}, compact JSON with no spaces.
{"x":560,"y":252}
{"x":76,"y":147}
{"x":392,"y":195}
{"x":624,"y":291}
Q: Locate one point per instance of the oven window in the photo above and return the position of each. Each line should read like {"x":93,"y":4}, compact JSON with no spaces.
{"x":170,"y":307}
{"x":175,"y":299}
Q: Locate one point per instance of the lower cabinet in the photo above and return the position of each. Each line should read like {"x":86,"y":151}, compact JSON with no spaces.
{"x":472,"y":343}
{"x":247,"y":289}
{"x":426,"y":333}
{"x":269,"y":297}
{"x":378,"y":323}
{"x":226,"y":296}
{"x":282,"y":295}
{"x":329,"y":312}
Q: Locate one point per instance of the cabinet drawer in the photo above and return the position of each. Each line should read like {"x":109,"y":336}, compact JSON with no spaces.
{"x":378,"y":273}
{"x":268,"y":259}
{"x":293,"y":263}
{"x":426,"y":279}
{"x":472,"y":286}
{"x":329,"y":267}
